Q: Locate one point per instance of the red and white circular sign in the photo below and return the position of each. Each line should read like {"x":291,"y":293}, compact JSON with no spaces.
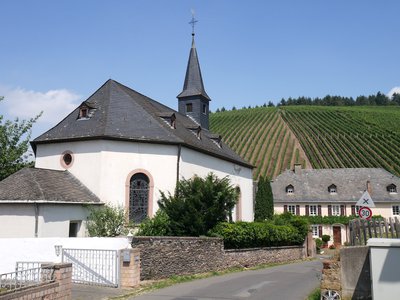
{"x":365,"y":213}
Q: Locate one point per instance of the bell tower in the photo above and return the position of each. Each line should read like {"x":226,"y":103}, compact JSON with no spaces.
{"x":193,"y":101}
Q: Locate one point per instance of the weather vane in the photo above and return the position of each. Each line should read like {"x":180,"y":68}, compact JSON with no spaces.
{"x":193,"y":22}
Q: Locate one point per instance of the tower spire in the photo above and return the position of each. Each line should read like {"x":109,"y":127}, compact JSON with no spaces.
{"x":193,"y":100}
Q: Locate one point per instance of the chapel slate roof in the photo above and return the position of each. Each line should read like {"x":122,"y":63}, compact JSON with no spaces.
{"x":123,"y":114}
{"x":312,"y":185}
{"x":43,"y":185}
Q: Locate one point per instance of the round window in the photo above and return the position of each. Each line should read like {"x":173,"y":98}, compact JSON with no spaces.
{"x":67,"y":159}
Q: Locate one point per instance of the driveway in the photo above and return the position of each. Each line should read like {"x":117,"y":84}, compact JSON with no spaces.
{"x":286,"y":282}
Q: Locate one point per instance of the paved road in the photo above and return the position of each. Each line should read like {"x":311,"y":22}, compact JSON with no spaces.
{"x":287,"y":282}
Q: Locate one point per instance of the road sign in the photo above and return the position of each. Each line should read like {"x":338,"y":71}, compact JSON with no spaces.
{"x":365,"y":200}
{"x":365,"y":213}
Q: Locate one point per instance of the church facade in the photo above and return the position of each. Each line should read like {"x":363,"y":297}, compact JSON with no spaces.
{"x":122,"y":148}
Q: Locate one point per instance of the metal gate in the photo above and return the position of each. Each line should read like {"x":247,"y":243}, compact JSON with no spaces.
{"x":94,"y":267}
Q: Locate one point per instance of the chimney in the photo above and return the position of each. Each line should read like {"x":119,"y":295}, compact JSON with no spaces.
{"x":297,"y":169}
{"x":369,"y":187}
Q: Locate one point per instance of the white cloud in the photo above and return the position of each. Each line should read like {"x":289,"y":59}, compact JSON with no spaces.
{"x":55,"y":104}
{"x":396,"y":90}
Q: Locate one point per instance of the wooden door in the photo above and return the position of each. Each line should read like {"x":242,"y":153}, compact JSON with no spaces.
{"x":337,"y":236}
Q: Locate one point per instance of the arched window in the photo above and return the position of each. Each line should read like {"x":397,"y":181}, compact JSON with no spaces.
{"x":138,"y":197}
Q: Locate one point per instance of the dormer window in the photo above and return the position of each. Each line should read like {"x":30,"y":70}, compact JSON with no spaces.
{"x":332,"y":189}
{"x":189,"y":107}
{"x":85,"y":111}
{"x":217,"y":139}
{"x":392,"y":189}
{"x":289,"y":189}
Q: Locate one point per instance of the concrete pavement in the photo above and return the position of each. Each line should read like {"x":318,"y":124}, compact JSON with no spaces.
{"x":286,"y":282}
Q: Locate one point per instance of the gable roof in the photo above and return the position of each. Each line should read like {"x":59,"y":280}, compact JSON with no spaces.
{"x":46,"y":186}
{"x":312,"y":185}
{"x":121,"y":113}
{"x":193,"y":85}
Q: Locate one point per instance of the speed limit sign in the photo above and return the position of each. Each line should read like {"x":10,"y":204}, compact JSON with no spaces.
{"x":365,"y":213}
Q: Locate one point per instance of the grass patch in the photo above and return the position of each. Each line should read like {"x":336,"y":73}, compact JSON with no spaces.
{"x":315,"y":295}
{"x":149,"y":286}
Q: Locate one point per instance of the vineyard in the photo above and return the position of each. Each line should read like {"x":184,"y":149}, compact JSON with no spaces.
{"x":274,"y":139}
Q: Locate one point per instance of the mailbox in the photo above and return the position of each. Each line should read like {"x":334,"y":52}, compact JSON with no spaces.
{"x":126,"y":256}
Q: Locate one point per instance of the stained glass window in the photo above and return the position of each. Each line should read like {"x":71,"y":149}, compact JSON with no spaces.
{"x":138,"y":197}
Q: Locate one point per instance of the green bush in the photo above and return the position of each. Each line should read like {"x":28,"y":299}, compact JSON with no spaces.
{"x":106,"y":221}
{"x":299,"y":222}
{"x":318,"y":244}
{"x":257,"y":234}
{"x":198,"y":204}
{"x":159,"y":225}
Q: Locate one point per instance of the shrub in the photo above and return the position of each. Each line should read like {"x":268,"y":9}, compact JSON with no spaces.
{"x":264,"y":202}
{"x":318,"y":244}
{"x":198,"y":205}
{"x":257,"y":234}
{"x":106,"y":221}
{"x":159,"y":225}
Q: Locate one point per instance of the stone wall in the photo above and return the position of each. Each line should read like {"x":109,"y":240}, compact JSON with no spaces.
{"x":257,"y":256}
{"x":59,"y":289}
{"x":166,"y":256}
{"x":331,"y":280}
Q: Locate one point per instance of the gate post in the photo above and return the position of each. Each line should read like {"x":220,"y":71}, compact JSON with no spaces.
{"x":129,"y":260}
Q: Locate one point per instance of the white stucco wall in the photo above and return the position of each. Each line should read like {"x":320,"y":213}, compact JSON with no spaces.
{"x":54,"y":220}
{"x":195,"y":163}
{"x":105,"y":166}
{"x":18,"y":220}
{"x":42,"y":249}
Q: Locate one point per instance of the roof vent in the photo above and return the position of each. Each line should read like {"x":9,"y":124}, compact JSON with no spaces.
{"x":217,"y":139}
{"x":169,"y":118}
{"x":196,"y":131}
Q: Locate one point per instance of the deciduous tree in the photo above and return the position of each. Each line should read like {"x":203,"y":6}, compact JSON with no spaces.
{"x":14,"y":143}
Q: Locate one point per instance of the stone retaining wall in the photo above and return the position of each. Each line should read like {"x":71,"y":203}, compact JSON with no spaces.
{"x":166,"y":256}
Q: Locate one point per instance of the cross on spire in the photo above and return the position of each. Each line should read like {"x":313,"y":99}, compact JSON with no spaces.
{"x":193,"y":22}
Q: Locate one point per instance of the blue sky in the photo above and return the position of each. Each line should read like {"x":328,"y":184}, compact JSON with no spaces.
{"x":55,"y":54}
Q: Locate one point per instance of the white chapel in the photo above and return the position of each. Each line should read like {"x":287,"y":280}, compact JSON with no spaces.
{"x":122,"y":148}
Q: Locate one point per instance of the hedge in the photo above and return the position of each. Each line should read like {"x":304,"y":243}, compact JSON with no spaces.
{"x":259,"y":234}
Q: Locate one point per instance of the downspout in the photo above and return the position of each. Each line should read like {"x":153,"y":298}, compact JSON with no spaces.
{"x":178,"y":163}
{"x":36,"y":219}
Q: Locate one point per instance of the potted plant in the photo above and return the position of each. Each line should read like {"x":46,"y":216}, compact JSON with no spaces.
{"x":325,"y":239}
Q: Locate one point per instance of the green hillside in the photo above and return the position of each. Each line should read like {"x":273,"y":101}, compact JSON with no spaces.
{"x":273,"y":139}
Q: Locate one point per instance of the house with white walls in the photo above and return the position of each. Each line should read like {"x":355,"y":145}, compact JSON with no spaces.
{"x":121,"y":148}
{"x":335,"y":192}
